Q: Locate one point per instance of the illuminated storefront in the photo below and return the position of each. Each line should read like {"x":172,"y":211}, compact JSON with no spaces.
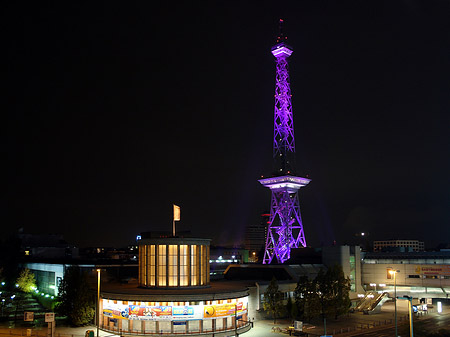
{"x":188,"y":317}
{"x":174,"y":295}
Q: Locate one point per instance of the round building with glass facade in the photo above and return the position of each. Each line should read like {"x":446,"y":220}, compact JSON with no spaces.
{"x":174,"y":295}
{"x":174,"y":262}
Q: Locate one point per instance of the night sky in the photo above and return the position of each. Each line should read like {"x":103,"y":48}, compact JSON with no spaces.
{"x":114,"y":111}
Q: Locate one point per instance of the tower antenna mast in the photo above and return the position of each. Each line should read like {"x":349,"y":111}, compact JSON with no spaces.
{"x":285,"y":229}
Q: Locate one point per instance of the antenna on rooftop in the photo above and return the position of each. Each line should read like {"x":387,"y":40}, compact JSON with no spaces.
{"x":281,"y":37}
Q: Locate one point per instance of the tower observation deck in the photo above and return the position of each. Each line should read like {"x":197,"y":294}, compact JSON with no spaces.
{"x":285,"y":229}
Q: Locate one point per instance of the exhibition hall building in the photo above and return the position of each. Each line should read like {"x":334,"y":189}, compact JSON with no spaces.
{"x":174,"y":294}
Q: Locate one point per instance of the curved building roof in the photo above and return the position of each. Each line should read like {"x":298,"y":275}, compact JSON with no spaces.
{"x":220,"y":290}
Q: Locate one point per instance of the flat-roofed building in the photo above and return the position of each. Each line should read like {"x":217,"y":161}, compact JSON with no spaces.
{"x":419,"y":274}
{"x":402,"y":245}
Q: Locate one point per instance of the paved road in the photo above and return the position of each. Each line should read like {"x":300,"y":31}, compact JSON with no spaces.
{"x":421,"y":329}
{"x":423,"y":326}
{"x":381,"y":324}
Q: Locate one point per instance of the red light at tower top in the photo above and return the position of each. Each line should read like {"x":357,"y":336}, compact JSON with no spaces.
{"x":285,"y":229}
{"x":281,"y":48}
{"x":281,"y":37}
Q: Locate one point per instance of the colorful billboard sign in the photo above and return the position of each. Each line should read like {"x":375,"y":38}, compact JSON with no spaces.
{"x":224,"y":310}
{"x":187,"y":312}
{"x":144,"y":313}
{"x":115,"y":310}
{"x":175,"y":313}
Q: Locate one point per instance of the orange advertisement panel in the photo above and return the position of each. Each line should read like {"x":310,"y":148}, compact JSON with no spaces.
{"x":433,"y":269}
{"x":224,"y":310}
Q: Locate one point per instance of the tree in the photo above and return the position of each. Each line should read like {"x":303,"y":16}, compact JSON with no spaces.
{"x":273,"y":300}
{"x":300,"y":295}
{"x":26,"y":281}
{"x":76,"y":301}
{"x":333,"y":288}
{"x":291,"y":309}
{"x":340,"y":287}
{"x":326,"y":295}
{"x":9,"y":259}
{"x":312,"y":306}
{"x":306,"y":299}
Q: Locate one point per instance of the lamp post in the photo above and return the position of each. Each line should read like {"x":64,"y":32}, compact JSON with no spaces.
{"x":411,"y":314}
{"x":98,"y":300}
{"x":394,"y":272}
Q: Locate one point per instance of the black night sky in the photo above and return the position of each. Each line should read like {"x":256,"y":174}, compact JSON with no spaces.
{"x":116,"y":110}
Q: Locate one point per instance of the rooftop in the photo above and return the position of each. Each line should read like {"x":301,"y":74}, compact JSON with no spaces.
{"x":131,"y":292}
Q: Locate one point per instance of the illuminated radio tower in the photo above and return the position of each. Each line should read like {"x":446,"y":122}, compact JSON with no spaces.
{"x":285,"y":230}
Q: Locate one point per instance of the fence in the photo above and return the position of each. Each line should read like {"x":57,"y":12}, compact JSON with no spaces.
{"x":34,"y":333}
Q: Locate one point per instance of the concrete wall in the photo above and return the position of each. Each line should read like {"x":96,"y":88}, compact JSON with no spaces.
{"x":47,"y":275}
{"x":341,"y":255}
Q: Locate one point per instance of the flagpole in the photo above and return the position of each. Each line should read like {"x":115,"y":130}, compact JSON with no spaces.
{"x":176,"y":217}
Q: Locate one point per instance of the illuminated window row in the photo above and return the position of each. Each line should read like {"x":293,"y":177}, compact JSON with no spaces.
{"x":173,"y":265}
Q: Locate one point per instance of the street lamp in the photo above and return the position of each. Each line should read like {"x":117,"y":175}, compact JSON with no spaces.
{"x":394,"y":272}
{"x":411,"y":313}
{"x":98,"y":300}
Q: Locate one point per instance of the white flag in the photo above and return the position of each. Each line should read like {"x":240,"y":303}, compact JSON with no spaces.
{"x":176,"y":213}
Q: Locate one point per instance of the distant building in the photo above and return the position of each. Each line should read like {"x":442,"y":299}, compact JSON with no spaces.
{"x":221,"y":257}
{"x":51,"y":246}
{"x":398,"y":245}
{"x":255,"y":238}
{"x":130,"y":253}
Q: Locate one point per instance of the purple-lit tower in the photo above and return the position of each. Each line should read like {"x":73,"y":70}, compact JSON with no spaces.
{"x":285,"y":229}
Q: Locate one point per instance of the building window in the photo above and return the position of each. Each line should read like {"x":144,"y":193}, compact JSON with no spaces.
{"x":203,"y":265}
{"x":194,"y":265}
{"x":431,"y":276}
{"x":184,"y":265}
{"x":352,"y":273}
{"x":152,"y":263}
{"x":173,"y":265}
{"x":162,"y":264}
{"x":142,"y":268}
{"x":413,"y":276}
{"x":388,"y":275}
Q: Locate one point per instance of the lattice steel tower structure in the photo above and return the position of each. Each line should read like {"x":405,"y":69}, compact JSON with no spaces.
{"x":285,"y":229}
